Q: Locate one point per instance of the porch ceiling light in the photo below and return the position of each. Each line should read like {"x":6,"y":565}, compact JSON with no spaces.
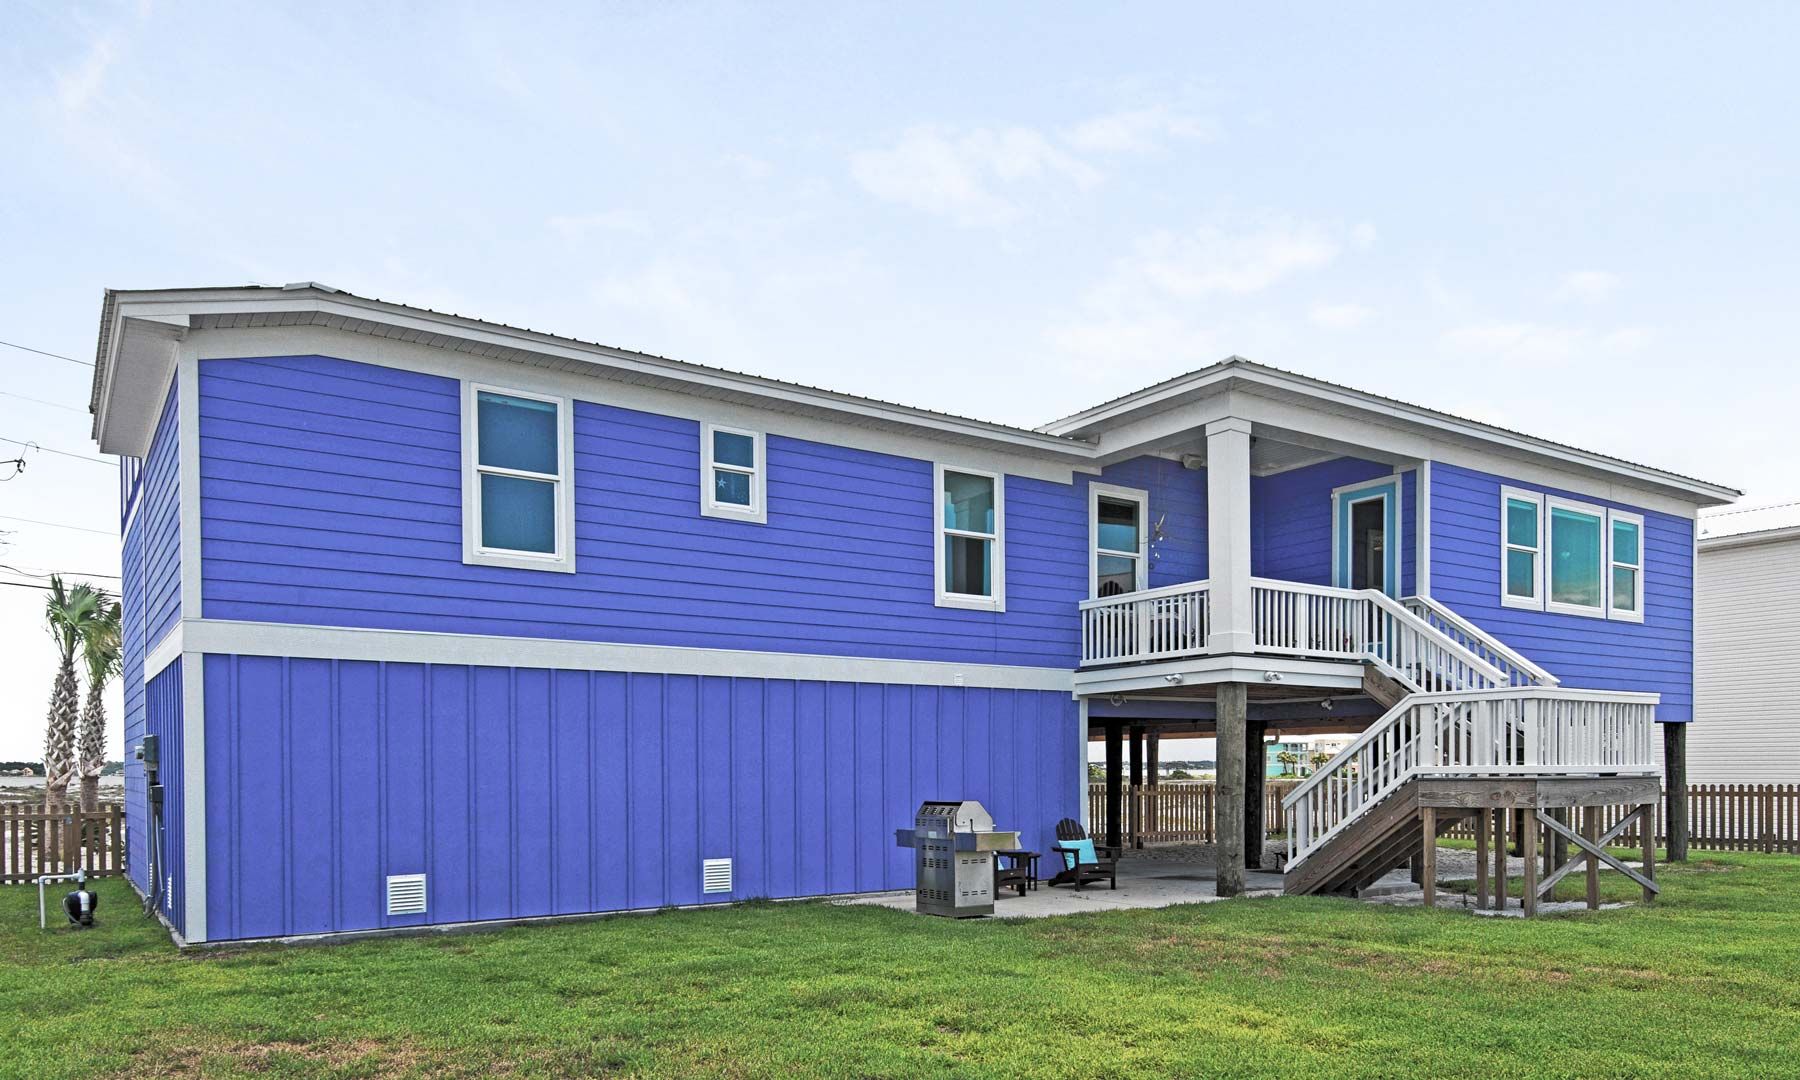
{"x":1172,"y":680}
{"x":1271,"y":676}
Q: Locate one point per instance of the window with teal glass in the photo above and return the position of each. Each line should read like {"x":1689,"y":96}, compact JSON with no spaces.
{"x":969,"y":553}
{"x":1627,"y":558}
{"x":1522,"y":529}
{"x":1576,"y":558}
{"x":1118,"y":532}
{"x":731,"y":473}
{"x":516,"y":479}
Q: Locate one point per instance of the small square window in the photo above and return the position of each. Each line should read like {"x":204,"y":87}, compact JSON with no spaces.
{"x":733,"y":484}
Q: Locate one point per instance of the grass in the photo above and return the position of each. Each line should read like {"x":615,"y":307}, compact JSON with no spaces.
{"x":1704,"y":983}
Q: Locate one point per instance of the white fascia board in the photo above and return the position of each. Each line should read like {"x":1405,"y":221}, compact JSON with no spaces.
{"x":1192,"y":398}
{"x":420,"y":324}
{"x":227,"y":636}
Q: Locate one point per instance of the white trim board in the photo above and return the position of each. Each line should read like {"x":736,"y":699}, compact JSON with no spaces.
{"x":227,"y":636}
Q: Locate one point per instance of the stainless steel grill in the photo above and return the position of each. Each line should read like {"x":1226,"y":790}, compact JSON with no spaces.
{"x":953,"y":854}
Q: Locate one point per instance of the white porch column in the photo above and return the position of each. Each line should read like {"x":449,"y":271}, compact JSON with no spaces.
{"x":1228,"y":535}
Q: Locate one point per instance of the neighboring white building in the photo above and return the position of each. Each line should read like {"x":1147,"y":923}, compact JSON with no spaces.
{"x":1747,"y":655}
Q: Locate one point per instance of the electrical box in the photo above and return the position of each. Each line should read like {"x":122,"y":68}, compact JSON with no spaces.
{"x":148,"y":752}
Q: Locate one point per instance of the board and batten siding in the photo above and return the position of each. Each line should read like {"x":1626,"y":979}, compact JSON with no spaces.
{"x":163,"y":718}
{"x":525,"y":792}
{"x":1654,"y":656}
{"x":331,"y":495}
{"x":150,"y":606}
{"x":1746,"y":726}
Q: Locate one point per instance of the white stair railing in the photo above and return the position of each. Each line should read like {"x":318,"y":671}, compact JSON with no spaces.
{"x":1364,"y":624}
{"x":1519,"y":670}
{"x":1530,"y":730}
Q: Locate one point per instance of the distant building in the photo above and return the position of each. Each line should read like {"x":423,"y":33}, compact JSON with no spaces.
{"x":1746,"y":726}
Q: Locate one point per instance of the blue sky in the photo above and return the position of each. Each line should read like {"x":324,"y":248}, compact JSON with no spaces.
{"x":1581,"y":223}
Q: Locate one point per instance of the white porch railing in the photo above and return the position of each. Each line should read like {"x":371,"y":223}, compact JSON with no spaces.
{"x":1529,"y":730}
{"x":1363,"y":624}
{"x":1155,"y":624}
{"x":1519,"y":671}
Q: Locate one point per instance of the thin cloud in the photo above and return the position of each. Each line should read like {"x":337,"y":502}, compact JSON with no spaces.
{"x":1137,"y":130}
{"x":1339,"y":316}
{"x":1589,"y":286}
{"x":576,"y":226}
{"x":966,"y":175}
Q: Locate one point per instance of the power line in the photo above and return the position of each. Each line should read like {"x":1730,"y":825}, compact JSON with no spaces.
{"x":53,"y":573}
{"x":25,"y":585}
{"x":41,"y":401}
{"x":52,"y":355}
{"x":52,"y":450}
{"x":58,"y":525}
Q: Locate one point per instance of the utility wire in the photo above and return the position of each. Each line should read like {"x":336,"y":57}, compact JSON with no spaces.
{"x":1749,"y":510}
{"x":58,"y":525}
{"x":52,"y":450}
{"x":53,"y":573}
{"x":52,"y":355}
{"x":41,"y":401}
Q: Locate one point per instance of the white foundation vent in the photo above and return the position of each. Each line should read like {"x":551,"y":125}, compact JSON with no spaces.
{"x":406,"y":894}
{"x":715,"y":875}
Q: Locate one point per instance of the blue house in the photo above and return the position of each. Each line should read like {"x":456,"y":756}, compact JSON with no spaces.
{"x":437,"y":620}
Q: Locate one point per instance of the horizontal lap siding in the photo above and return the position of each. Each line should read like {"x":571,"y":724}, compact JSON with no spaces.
{"x":331,"y":494}
{"x":527,"y":792}
{"x":160,"y":513}
{"x":1746,"y":683}
{"x":1290,"y":515}
{"x":150,"y":606}
{"x":1654,"y":656}
{"x":1178,"y":499}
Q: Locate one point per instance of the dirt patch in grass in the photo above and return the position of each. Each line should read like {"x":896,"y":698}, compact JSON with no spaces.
{"x":197,"y":1054}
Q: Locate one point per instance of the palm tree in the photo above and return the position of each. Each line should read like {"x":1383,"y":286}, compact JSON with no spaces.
{"x":1288,"y":760}
{"x":100,"y":649}
{"x":68,"y":612}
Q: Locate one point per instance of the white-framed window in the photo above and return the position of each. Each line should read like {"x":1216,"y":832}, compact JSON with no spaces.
{"x":1625,"y":585}
{"x":1575,"y":557}
{"x":733,"y":474}
{"x":1118,"y":540}
{"x":1570,"y":557}
{"x":1522,"y":548}
{"x":969,"y":541}
{"x":518,"y":479}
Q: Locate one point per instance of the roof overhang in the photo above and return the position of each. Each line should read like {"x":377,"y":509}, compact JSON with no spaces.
{"x":1750,"y":539}
{"x":1286,"y":405}
{"x":142,"y":331}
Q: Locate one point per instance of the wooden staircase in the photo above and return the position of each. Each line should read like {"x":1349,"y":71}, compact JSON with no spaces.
{"x":1490,"y":723}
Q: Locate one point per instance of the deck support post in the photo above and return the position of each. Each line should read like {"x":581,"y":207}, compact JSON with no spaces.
{"x":1528,"y":842}
{"x":1135,"y":817}
{"x":1114,"y":762}
{"x":1233,"y":724}
{"x":1500,"y":817}
{"x":1256,"y":772}
{"x":1153,"y":770}
{"x":1481,"y":858}
{"x":1590,"y":831}
{"x":1675,"y":784}
{"x":1428,"y":854}
{"x":1647,"y":831}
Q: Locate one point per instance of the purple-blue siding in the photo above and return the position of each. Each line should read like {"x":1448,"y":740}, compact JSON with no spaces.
{"x":1178,"y":497}
{"x":331,"y":494}
{"x":527,"y":792}
{"x":150,"y":601}
{"x":1290,"y":515}
{"x":160,"y":508}
{"x":163,"y":718}
{"x":1656,"y":655}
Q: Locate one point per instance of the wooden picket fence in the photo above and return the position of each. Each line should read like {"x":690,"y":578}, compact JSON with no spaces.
{"x":1179,"y":811}
{"x":38,"y":839}
{"x":1721,"y":817}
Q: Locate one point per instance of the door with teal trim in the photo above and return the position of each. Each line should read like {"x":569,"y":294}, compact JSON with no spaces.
{"x":1365,"y":536}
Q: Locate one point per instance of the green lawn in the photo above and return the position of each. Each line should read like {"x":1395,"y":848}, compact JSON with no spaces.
{"x":1705,"y":983}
